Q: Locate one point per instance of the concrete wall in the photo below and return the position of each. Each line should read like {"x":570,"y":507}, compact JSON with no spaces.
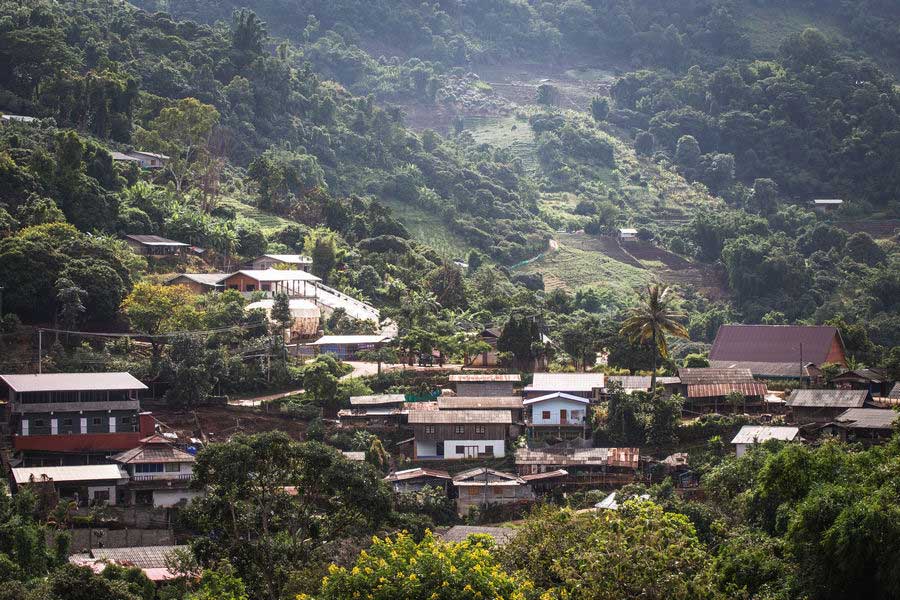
{"x":119,"y":538}
{"x":169,"y":498}
{"x":576,"y":412}
{"x":450,"y":447}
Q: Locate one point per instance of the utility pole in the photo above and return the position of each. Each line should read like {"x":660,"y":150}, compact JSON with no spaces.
{"x":801,"y":364}
{"x":40,"y":350}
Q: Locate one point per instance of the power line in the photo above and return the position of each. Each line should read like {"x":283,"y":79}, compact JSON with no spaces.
{"x":146,"y":335}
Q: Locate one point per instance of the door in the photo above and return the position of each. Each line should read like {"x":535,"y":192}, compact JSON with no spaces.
{"x":563,"y":416}
{"x":470,"y":451}
{"x":24,"y":426}
{"x":54,"y":426}
{"x":83,"y":425}
{"x":112,"y":424}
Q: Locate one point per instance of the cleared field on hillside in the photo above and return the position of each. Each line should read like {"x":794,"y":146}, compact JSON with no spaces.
{"x":768,"y":26}
{"x":267,"y":221}
{"x":508,"y":133}
{"x":429,"y":229}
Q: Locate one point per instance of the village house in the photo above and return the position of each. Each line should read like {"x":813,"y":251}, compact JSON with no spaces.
{"x":585,"y":385}
{"x":483,"y":486}
{"x":86,"y":485}
{"x":778,"y":351}
{"x":485,"y":384}
{"x":865,"y":425}
{"x":455,"y":434}
{"x":124,"y":158}
{"x":7,"y":119}
{"x":148,"y":160}
{"x":199,"y":283}
{"x":826,"y":205}
{"x":876,"y":381}
{"x":74,"y":418}
{"x":628,"y":234}
{"x":510,"y":403}
{"x":378,"y":410}
{"x":414,"y":480}
{"x":558,"y":415}
{"x":348,"y":347}
{"x":159,"y":473}
{"x":282,"y":261}
{"x":306,"y":317}
{"x":750,"y":435}
{"x":294,"y":283}
{"x":634,"y":383}
{"x":583,"y":465}
{"x":154,"y":245}
{"x":708,"y":389}
{"x":824,"y":406}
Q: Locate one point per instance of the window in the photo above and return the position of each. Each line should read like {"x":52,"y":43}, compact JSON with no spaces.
{"x":148,"y":468}
{"x":474,"y":491}
{"x":125,"y":420}
{"x":545,"y":415}
{"x":489,"y":450}
{"x":429,"y":429}
{"x":250,"y":287}
{"x":233,"y":287}
{"x":460,"y":449}
{"x":173,"y":467}
{"x":479,"y":429}
{"x":67,"y":422}
{"x":95,"y":421}
{"x":498,"y":491}
{"x":101,"y":495}
{"x":459,"y":429}
{"x":38,"y":422}
{"x":266,"y":287}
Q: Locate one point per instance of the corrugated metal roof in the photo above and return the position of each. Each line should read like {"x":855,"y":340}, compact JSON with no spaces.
{"x":155,"y":449}
{"x":416,"y":473}
{"x":710,"y":375}
{"x":275,"y":275}
{"x":143,"y":557}
{"x":613,"y":457}
{"x":354,"y":456}
{"x":566,"y":382}
{"x":202,"y":278}
{"x":484,"y":377}
{"x":478,"y":402}
{"x":293,"y":259}
{"x":548,"y":475}
{"x":460,"y":417}
{"x":871,"y":375}
{"x":154,"y":240}
{"x":350,"y":339}
{"x":895,"y":392}
{"x":757,"y":434}
{"x":72,"y":382}
{"x":868,"y":418}
{"x":773,"y":343}
{"x":764,"y":369}
{"x":377,"y":399}
{"x":482,"y":474}
{"x":556,"y":395}
{"x":828,"y":398}
{"x":714,"y":390}
{"x":63,"y":474}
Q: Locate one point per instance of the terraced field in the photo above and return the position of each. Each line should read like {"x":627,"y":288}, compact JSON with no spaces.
{"x":429,"y":229}
{"x":508,"y":133}
{"x":267,"y":221}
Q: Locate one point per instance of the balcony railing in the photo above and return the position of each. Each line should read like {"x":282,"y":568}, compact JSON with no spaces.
{"x":161,"y":477}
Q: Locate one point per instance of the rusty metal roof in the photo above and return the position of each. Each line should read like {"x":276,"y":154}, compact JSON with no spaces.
{"x":710,"y":375}
{"x":613,"y":457}
{"x":868,"y":418}
{"x":714,"y":390}
{"x":377,"y":399}
{"x":765,"y":369}
{"x":828,"y":398}
{"x":478,"y":402}
{"x":460,"y":417}
{"x":484,"y":377}
{"x":773,"y":343}
{"x":417,"y":473}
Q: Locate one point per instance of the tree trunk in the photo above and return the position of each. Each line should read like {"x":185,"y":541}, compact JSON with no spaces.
{"x":653,"y":374}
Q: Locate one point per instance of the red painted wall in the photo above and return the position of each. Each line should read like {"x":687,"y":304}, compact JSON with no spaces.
{"x":88,"y":442}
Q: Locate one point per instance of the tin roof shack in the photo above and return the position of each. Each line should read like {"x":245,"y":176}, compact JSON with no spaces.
{"x":575,"y":384}
{"x":347,"y":347}
{"x":151,"y":560}
{"x":750,"y":435}
{"x":74,"y":418}
{"x":483,"y":486}
{"x":455,"y":434}
{"x":282,"y":261}
{"x":376,"y":411}
{"x":413,"y":480}
{"x":584,"y":466}
{"x":485,"y":384}
{"x":199,"y":283}
{"x":866,"y":425}
{"x":708,"y":389}
{"x":149,"y":160}
{"x":510,"y":403}
{"x":160,"y":473}
{"x":876,"y":381}
{"x":459,"y":533}
{"x":558,"y":415}
{"x":154,"y":245}
{"x":823,"y":406}
{"x":777,"y":351}
{"x":85,"y":484}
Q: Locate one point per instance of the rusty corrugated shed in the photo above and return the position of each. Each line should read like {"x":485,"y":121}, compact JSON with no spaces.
{"x":828,"y":398}
{"x":714,"y":390}
{"x":485,"y":377}
{"x":710,"y":375}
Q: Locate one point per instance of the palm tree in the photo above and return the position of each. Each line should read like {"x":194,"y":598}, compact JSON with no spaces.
{"x":651,"y":320}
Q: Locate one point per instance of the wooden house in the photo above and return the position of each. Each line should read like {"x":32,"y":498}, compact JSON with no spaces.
{"x":281,"y":261}
{"x":159,"y":473}
{"x":485,"y":384}
{"x":628,"y":234}
{"x":199,"y":283}
{"x":294,"y":283}
{"x":823,"y":406}
{"x":413,"y":480}
{"x":483,"y":486}
{"x":154,"y":245}
{"x":750,"y":435}
{"x":510,"y":403}
{"x":876,"y":381}
{"x":708,"y":389}
{"x":455,"y":434}
{"x":583,"y":465}
{"x":557,"y":415}
{"x":585,"y":385}
{"x":865,"y":425}
{"x":378,"y":410}
{"x":777,"y":351}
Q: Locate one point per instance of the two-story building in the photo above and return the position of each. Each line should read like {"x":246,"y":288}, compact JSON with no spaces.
{"x":559,"y":415}
{"x":375,"y":410}
{"x":159,"y":473}
{"x":485,"y":384}
{"x":586,"y":385}
{"x":74,"y":418}
{"x":454,"y":434}
{"x":483,"y":486}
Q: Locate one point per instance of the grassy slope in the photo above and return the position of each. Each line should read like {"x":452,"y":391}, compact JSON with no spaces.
{"x":268,"y":222}
{"x":429,"y":229}
{"x":769,"y":26}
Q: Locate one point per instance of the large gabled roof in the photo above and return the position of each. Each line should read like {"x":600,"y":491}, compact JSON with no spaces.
{"x":72,"y":382}
{"x":867,"y":418}
{"x":828,"y":398}
{"x":566,"y":382}
{"x":773,"y":343}
{"x":153,"y":449}
{"x":460,"y":417}
{"x":557,"y":396}
{"x":713,"y":376}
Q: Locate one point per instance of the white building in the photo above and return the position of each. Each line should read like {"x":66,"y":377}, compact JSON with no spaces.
{"x":558,"y":414}
{"x":288,"y":261}
{"x":160,"y":474}
{"x":750,"y":435}
{"x":627,"y":234}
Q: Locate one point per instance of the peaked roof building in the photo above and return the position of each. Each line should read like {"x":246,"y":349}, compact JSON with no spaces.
{"x":777,"y":351}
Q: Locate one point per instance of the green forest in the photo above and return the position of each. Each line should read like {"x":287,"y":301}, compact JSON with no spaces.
{"x":288,"y":129}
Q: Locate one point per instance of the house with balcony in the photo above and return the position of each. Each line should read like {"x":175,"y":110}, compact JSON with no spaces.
{"x":586,"y":385}
{"x":557,"y":415}
{"x":455,"y":434}
{"x":294,"y":283}
{"x":159,"y":473}
{"x":74,"y":418}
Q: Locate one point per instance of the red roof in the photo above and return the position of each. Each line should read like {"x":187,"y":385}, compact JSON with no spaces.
{"x":773,"y":343}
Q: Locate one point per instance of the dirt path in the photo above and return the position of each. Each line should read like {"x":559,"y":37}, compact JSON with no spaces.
{"x":259,"y":400}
